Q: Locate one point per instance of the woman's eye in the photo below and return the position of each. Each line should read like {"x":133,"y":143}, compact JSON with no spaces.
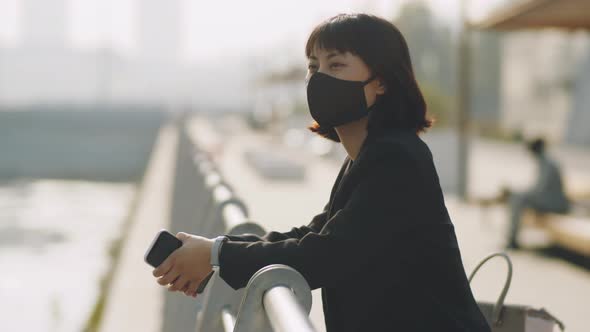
{"x":312,"y":67}
{"x":336,"y":65}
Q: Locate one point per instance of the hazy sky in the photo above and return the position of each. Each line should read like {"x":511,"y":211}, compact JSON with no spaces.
{"x":215,"y":27}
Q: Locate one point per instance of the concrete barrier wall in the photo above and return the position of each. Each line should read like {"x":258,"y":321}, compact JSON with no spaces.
{"x":77,"y":144}
{"x":133,"y":299}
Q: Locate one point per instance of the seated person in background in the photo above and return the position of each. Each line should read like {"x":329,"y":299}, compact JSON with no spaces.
{"x":546,"y":195}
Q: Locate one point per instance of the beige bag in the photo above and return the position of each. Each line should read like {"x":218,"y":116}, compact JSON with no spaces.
{"x":514,"y":318}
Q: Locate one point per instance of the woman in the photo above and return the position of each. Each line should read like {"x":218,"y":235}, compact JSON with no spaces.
{"x":384,"y":250}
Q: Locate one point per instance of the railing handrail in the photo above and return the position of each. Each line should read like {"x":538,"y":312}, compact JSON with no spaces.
{"x":277,"y":298}
{"x":280,"y":300}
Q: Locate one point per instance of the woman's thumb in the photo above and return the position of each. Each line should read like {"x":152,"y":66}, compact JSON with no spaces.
{"x":182,"y":236}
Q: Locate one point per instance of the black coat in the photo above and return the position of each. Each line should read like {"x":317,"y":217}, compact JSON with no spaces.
{"x":383,"y":250}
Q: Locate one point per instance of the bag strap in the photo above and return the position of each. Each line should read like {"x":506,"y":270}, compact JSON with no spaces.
{"x":497,"y":311}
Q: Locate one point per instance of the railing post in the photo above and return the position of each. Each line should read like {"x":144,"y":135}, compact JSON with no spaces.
{"x":277,"y":298}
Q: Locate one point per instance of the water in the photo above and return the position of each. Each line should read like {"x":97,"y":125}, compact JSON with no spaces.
{"x":54,"y":240}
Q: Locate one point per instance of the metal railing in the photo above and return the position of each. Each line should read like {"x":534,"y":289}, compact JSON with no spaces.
{"x":277,"y":297}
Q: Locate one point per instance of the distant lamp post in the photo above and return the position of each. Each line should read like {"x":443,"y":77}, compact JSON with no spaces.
{"x":463,"y":103}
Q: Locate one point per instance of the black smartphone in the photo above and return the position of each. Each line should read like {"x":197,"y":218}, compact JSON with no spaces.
{"x":163,"y":244}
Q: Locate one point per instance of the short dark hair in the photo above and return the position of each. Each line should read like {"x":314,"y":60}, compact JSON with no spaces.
{"x":385,"y":51}
{"x":536,"y":146}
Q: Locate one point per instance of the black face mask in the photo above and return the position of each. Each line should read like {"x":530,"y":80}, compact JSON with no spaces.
{"x":333,"y":102}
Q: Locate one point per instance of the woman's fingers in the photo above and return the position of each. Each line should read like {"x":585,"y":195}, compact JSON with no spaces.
{"x":178,"y":284}
{"x":185,"y":288}
{"x":192,"y":288}
{"x":168,"y":278}
{"x":165,"y":267}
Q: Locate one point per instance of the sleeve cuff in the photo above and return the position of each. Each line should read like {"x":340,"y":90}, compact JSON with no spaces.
{"x":215,"y":249}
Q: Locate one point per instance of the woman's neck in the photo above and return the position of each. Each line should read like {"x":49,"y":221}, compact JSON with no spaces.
{"x":352,"y":135}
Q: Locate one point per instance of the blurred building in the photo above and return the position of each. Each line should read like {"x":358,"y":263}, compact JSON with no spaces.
{"x":45,"y":69}
{"x":157,"y":73}
{"x":578,"y":131}
{"x":486,"y":78}
{"x":40,"y":66}
{"x":546,"y":68}
{"x":160,"y":37}
{"x":543,"y":82}
{"x":431,"y":46}
{"x":44,"y":23}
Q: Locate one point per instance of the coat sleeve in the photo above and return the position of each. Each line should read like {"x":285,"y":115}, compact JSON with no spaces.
{"x":375,"y":216}
{"x":295,"y":233}
{"x":316,"y":224}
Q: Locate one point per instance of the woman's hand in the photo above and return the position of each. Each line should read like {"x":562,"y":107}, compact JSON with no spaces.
{"x":187,"y":266}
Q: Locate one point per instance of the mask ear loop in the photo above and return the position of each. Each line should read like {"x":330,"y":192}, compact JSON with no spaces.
{"x":374,"y":76}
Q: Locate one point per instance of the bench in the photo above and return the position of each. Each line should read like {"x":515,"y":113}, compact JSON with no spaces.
{"x":571,"y":232}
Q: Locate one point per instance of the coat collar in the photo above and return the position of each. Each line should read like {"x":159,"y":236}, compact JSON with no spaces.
{"x":371,"y":150}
